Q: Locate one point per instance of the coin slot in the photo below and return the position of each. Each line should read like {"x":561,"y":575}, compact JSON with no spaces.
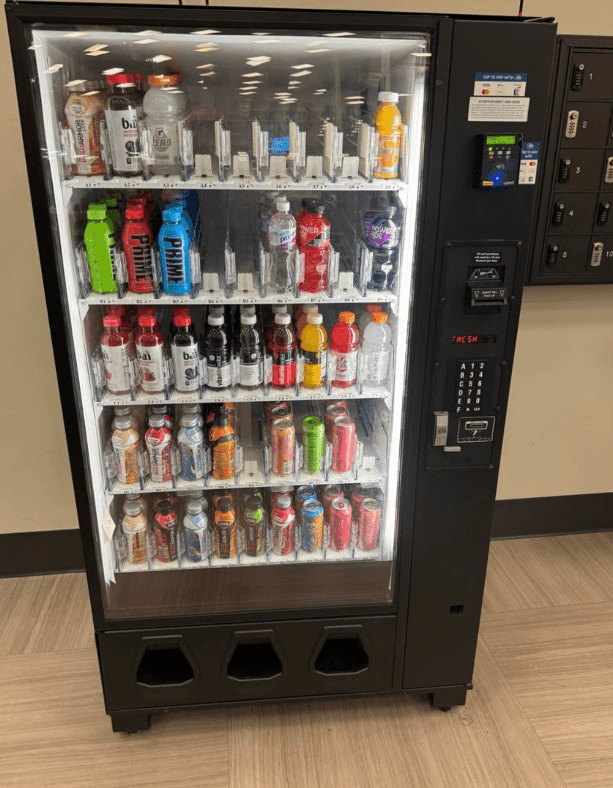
{"x":455,"y":610}
{"x":164,"y":665}
{"x":255,"y":660}
{"x":342,"y":655}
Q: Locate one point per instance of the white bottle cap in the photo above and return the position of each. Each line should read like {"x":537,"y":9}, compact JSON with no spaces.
{"x":283,"y":319}
{"x":189,"y":420}
{"x":282,"y":206}
{"x":132,"y":508}
{"x":249,"y":320}
{"x":156,"y":421}
{"x":387,"y":95}
{"x":247,"y":310}
{"x":315,"y":318}
{"x":308,"y":309}
{"x":122,"y":423}
{"x":215,"y":320}
{"x":279,"y":308}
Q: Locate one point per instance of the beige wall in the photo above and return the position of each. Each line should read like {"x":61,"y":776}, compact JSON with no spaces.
{"x":560,"y":421}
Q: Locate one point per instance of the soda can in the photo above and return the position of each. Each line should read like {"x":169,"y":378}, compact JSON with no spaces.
{"x":344,"y":444}
{"x":332,"y":412}
{"x":314,"y":439}
{"x":255,"y":526}
{"x":283,"y":439}
{"x":283,"y":520}
{"x":301,"y":496}
{"x":331,"y":493}
{"x":312,"y":515}
{"x":276,"y":492}
{"x":225,"y":530}
{"x":359,"y":494}
{"x":196,"y":530}
{"x":165,"y":529}
{"x":340,"y":524}
{"x":369,"y":520}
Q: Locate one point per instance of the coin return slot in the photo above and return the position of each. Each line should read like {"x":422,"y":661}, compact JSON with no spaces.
{"x":163,"y":666}
{"x":342,"y":655}
{"x":251,"y":661}
{"x":455,"y":610}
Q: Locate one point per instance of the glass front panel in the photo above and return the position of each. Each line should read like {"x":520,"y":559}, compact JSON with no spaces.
{"x":235,"y":223}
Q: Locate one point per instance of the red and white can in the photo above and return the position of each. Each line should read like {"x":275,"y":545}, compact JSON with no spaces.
{"x":360,"y":493}
{"x":283,"y":519}
{"x":332,"y":412}
{"x":283,"y":444}
{"x":369,"y":520}
{"x":340,"y":524}
{"x":344,"y":444}
{"x":331,"y":493}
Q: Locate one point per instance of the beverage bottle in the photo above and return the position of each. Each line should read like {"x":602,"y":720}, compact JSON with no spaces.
{"x":145,"y":311}
{"x":164,"y":110}
{"x":376,"y":350}
{"x":162,"y":410}
{"x":184,"y":353}
{"x":193,"y":409}
{"x":173,"y":243}
{"x":84,"y":109}
{"x":115,"y":357}
{"x":305,"y":311}
{"x":150,"y":356}
{"x":283,"y":350}
{"x":250,"y":373}
{"x":100,"y":249}
{"x":126,"y":446}
{"x":366,"y":316}
{"x":113,"y":216}
{"x":270,"y":324}
{"x":344,"y":343}
{"x":217,"y":353}
{"x":388,"y":124}
{"x":314,"y":345}
{"x":196,"y":530}
{"x":266,"y":210}
{"x":125,"y":410}
{"x":225,"y":530}
{"x":124,"y":110}
{"x":282,"y":242}
{"x":187,"y":219}
{"x":158,"y":440}
{"x":222,"y":442}
{"x":191,"y":447}
{"x":135,"y":529}
{"x":155,"y":215}
{"x":313,"y":231}
{"x":137,"y":240}
{"x":165,"y":529}
{"x":176,"y":311}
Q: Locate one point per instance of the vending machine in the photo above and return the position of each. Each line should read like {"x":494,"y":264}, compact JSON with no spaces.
{"x":283,"y":255}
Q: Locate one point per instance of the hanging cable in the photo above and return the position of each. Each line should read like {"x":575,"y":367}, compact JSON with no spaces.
{"x":521,"y":8}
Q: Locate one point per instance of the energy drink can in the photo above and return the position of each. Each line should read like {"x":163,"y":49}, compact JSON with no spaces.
{"x":340,"y":524}
{"x":331,"y":493}
{"x":369,"y":520}
{"x":344,"y":444}
{"x":314,"y":439}
{"x":333,"y":411}
{"x":283,"y":440}
{"x":312,"y":515}
{"x":301,"y":496}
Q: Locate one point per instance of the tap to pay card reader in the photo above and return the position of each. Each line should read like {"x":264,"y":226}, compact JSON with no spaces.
{"x":497,"y":157}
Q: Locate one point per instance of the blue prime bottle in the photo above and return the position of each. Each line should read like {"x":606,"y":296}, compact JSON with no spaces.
{"x":173,"y":243}
{"x":186,"y":217}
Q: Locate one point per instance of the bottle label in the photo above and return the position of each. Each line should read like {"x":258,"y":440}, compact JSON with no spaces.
{"x":176,"y":270}
{"x":192,"y":453}
{"x":122,"y":126}
{"x":346,"y":367}
{"x":165,"y":140}
{"x":116,"y":368}
{"x":315,"y":366}
{"x":388,"y":154}
{"x":283,"y":238}
{"x":84,"y":119}
{"x":125,"y":449}
{"x":197,"y":544}
{"x":284,"y":367}
{"x":250,"y":372}
{"x":185,"y":361}
{"x":381,"y":231}
{"x":218,"y":370}
{"x":158,"y":442}
{"x":151,"y":367}
{"x":376,"y":366}
{"x":313,"y":233}
{"x":140,"y":261}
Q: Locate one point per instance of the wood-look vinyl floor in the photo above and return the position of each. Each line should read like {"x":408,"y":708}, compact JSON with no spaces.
{"x":540,"y":716}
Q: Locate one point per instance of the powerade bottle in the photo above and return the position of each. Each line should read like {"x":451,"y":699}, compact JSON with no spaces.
{"x":100,"y":249}
{"x":173,"y":243}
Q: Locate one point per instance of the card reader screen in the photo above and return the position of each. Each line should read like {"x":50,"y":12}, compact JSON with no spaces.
{"x":503,"y":140}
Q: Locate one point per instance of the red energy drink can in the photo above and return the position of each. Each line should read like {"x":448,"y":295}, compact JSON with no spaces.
{"x":340,"y":524}
{"x":276,"y":492}
{"x":283,"y":440}
{"x":283,"y":520}
{"x":331,"y":493}
{"x":369,"y":520}
{"x":344,"y":444}
{"x":359,"y":494}
{"x":165,"y":529}
{"x":334,"y":411}
{"x":312,"y":516}
{"x":301,"y":496}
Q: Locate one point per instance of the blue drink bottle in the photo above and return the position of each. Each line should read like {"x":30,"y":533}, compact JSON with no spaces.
{"x":186,"y":217}
{"x":173,"y":243}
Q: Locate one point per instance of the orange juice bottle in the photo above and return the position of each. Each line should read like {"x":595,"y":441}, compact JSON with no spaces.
{"x":314,"y":344}
{"x":388,"y":122}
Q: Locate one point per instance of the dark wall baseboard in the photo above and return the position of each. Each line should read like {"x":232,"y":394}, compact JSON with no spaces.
{"x":51,"y":552}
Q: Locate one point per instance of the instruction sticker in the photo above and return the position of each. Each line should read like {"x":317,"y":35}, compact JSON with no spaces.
{"x":528,"y":163}
{"x":500,"y":110}
{"x":493,"y":83}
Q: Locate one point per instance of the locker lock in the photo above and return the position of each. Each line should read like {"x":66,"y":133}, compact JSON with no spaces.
{"x":552,"y":255}
{"x":608,"y":176}
{"x":558,"y":213}
{"x":576,"y":82}
{"x":564,"y":170}
{"x":572,"y":122}
{"x":596,"y":257}
{"x":604,"y":209}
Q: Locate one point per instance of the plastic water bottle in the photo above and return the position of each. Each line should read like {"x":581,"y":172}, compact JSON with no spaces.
{"x":164,"y":107}
{"x":282,"y":242}
{"x":376,"y":350}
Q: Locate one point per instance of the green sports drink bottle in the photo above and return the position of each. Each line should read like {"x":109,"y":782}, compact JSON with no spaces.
{"x":113,"y":213}
{"x":100,"y":248}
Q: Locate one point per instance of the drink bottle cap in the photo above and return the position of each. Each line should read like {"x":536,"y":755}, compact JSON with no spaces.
{"x":194,"y":507}
{"x":180,"y":310}
{"x":189,"y":420}
{"x":191,"y":407}
{"x":284,"y":502}
{"x":122,"y":423}
{"x":137,"y":201}
{"x":253,"y":502}
{"x":135,"y":212}
{"x":249,"y":320}
{"x":199,"y":499}
{"x":182,"y":321}
{"x":346,"y":317}
{"x":310,"y":309}
{"x":157,"y":409}
{"x":163,"y":79}
{"x":87,"y":86}
{"x":133,"y":496}
{"x":224,"y":504}
{"x":111,"y":321}
{"x":110,"y":202}
{"x":134,"y":77}
{"x":157,"y":420}
{"x":124,"y":79}
{"x":96,"y":211}
{"x":122,"y":410}
{"x":319,"y":208}
{"x":215,"y":320}
{"x":388,"y":96}
{"x":282,"y":319}
{"x":116,"y":310}
{"x":132,"y":508}
{"x":373,"y":308}
{"x":282,"y":206}
{"x":143,"y":311}
{"x":278,"y":308}
{"x":315,"y":318}
{"x":179,"y":201}
{"x":379,"y":317}
{"x":164,"y":507}
{"x":146,"y":321}
{"x":172,"y":214}
{"x":247,"y":310}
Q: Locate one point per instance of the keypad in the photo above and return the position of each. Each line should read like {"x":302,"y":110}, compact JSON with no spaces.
{"x":470,"y":379}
